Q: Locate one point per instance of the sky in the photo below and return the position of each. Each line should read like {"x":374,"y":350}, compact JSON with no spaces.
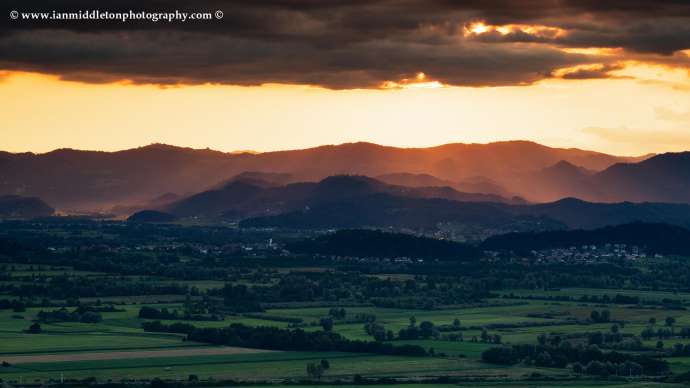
{"x":280,"y":74}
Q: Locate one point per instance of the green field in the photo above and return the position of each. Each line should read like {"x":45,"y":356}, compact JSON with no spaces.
{"x":515,"y":320}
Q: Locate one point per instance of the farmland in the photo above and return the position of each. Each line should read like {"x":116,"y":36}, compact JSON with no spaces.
{"x":172,"y":314}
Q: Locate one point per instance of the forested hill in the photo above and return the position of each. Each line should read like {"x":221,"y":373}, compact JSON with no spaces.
{"x":371,"y":243}
{"x":654,"y":237}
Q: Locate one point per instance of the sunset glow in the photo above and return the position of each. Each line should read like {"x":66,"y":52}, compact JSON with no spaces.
{"x":614,"y":80}
{"x":478,"y":28}
{"x":38,"y":115}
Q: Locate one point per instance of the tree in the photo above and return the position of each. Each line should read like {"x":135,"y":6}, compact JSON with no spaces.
{"x":325,"y":365}
{"x":629,"y":368}
{"x":652,"y":321}
{"x":578,"y":368}
{"x":413,"y":321}
{"x":614,"y":329}
{"x":605,"y":316}
{"x":504,"y":355}
{"x":35,"y":328}
{"x":595,"y":368}
{"x":426,"y":329}
{"x":314,"y":371}
{"x":659,"y":344}
{"x":596,"y":338}
{"x":670,"y":321}
{"x":543,"y":359}
{"x":91,"y":317}
{"x":485,"y":336}
{"x":647,"y":333}
{"x":326,"y":324}
{"x":456,"y":323}
{"x":390,"y":336}
{"x":595,"y":316}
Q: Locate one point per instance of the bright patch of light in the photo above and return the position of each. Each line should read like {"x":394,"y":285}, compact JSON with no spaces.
{"x":478,"y":28}
{"x":418,"y":82}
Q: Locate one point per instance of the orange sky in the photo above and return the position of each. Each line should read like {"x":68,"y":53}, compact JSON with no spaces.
{"x":646,"y":110}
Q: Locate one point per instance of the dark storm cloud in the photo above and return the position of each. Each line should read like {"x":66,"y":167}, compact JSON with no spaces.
{"x":337,"y":44}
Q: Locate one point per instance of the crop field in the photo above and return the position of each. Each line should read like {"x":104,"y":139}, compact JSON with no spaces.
{"x":272,"y":324}
{"x":117,"y":348}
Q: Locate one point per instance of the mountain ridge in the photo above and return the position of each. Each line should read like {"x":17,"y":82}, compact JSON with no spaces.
{"x":74,"y":179}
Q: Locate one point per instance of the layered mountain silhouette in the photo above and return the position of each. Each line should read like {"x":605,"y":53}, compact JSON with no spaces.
{"x":15,"y":206}
{"x":90,"y":180}
{"x":245,"y":196}
{"x":663,"y":178}
{"x":390,"y":211}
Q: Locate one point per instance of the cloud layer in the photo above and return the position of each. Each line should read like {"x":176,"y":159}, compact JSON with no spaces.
{"x":348,"y":44}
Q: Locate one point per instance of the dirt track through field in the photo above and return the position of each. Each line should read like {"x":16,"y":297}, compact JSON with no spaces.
{"x":91,"y":356}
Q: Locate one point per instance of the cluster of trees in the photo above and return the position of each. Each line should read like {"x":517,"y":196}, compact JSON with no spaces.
{"x":63,"y":315}
{"x":605,"y":369}
{"x":147,"y":312}
{"x":283,"y":339}
{"x":316,"y":370}
{"x":35,"y":328}
{"x":664,"y":332}
{"x":68,"y":287}
{"x":377,"y":244}
{"x":603,"y":316}
{"x":434,"y":284}
{"x":176,"y":327}
{"x":680,"y":350}
{"x":16,"y":305}
{"x":563,"y":354}
{"x":424,"y":330}
{"x":337,"y":313}
{"x":379,"y":332}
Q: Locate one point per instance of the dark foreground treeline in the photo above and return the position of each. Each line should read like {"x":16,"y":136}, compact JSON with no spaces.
{"x":282,"y":339}
{"x":563,"y":355}
{"x":372,"y":243}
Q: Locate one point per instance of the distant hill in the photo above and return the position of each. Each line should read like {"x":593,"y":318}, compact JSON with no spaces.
{"x":480,"y":184}
{"x":386,"y":210}
{"x":370,"y":243}
{"x":157,"y":202}
{"x":241,"y":198}
{"x":151,"y":216}
{"x":90,"y":180}
{"x":389,"y":211}
{"x":262,"y":179}
{"x":663,"y":178}
{"x":560,"y":180}
{"x":654,"y":237}
{"x":414,"y":180}
{"x":14,"y":206}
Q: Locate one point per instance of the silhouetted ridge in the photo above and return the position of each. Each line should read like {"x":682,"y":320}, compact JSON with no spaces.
{"x":653,"y":237}
{"x":88,"y":180}
{"x":15,"y":206}
{"x":151,"y":216}
{"x":370,"y":243}
{"x":246,"y":197}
